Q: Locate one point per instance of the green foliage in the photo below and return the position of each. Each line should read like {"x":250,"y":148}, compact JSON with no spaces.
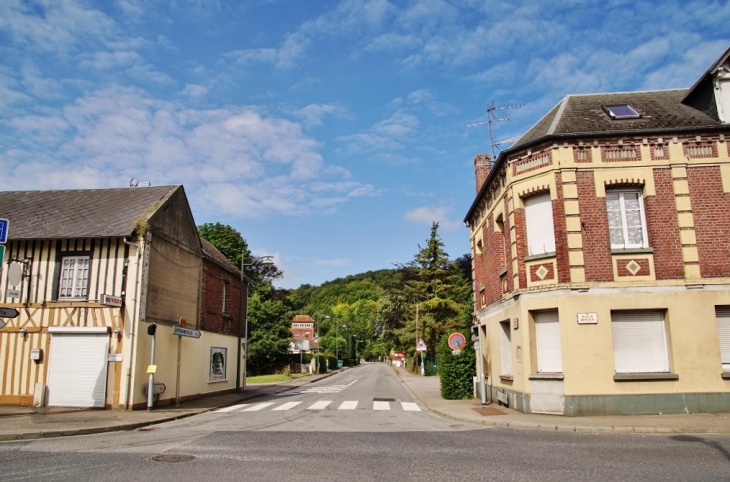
{"x":270,"y":332}
{"x":228,"y":241}
{"x":456,"y":371}
{"x":321,"y":363}
{"x":332,"y":362}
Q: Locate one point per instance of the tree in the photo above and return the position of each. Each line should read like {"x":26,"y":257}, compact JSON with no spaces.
{"x":270,"y":332}
{"x":227,"y":240}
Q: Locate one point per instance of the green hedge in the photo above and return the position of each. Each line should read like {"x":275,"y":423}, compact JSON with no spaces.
{"x":456,"y":371}
{"x":322,"y":361}
{"x":332,"y":361}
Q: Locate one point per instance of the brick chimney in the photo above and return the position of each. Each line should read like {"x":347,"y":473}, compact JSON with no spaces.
{"x":482,"y":166}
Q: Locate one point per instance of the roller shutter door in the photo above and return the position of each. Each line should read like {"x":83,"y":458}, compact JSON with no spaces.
{"x":547,"y":339}
{"x":77,"y":367}
{"x":723,"y":332}
{"x":639,"y":341}
{"x":540,"y":229}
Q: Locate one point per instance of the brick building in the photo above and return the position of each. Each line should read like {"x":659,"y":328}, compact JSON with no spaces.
{"x":601,"y":255}
{"x":303,"y":326}
{"x":221,"y":292}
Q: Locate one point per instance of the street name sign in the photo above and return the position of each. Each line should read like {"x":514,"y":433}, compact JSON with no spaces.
{"x":4,"y":226}
{"x":9,"y":313}
{"x":181,"y":331}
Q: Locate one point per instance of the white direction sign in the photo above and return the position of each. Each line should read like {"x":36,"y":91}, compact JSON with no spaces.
{"x":182,"y":331}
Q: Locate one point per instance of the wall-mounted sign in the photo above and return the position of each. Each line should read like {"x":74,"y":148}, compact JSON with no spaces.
{"x":4,"y":228}
{"x":218,"y":357}
{"x":110,"y":300}
{"x":114,"y":357}
{"x":515,"y":323}
{"x":11,"y":293}
{"x":9,"y":313}
{"x":587,"y":318}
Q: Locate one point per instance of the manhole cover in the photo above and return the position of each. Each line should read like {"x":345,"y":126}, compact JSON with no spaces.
{"x":173,"y":458}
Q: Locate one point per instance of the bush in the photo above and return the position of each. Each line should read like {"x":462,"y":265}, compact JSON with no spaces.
{"x":332,"y":362}
{"x":322,"y":362}
{"x":456,"y":371}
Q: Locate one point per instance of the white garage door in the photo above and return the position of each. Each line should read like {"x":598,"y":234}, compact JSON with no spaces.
{"x":77,"y":367}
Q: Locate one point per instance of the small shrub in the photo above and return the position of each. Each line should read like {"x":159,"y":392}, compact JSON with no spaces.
{"x":456,"y":371}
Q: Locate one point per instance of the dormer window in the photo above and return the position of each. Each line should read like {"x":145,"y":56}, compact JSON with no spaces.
{"x":621,"y":111}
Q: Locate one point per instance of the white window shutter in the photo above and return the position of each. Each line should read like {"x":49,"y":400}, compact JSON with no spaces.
{"x":505,"y":347}
{"x":547,"y":340}
{"x":723,"y":101}
{"x":639,"y":341}
{"x":723,"y":332}
{"x":539,"y":221}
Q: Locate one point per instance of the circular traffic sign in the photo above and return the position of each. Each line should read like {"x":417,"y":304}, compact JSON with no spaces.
{"x":457,"y":341}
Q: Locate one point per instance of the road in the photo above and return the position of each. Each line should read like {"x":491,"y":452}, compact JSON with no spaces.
{"x":358,"y":425}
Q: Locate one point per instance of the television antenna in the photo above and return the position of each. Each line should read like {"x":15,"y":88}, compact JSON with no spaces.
{"x":492,"y":119}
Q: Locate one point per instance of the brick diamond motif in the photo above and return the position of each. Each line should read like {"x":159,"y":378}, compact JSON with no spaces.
{"x":633,"y":267}
{"x":541,"y":272}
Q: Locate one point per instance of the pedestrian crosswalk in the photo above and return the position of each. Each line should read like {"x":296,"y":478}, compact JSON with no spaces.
{"x":320,"y":405}
{"x":322,"y":389}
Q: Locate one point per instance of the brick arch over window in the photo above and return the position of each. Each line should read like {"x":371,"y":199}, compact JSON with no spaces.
{"x":625,"y":182}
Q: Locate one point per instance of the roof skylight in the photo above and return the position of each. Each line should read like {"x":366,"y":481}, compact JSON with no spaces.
{"x":621,"y":111}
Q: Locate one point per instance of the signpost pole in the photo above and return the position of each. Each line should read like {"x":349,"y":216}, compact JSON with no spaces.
{"x":177,"y":383}
{"x":151,"y":383}
{"x":480,"y":354}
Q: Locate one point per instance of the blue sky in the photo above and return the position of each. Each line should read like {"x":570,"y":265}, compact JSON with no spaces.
{"x":330,"y":133}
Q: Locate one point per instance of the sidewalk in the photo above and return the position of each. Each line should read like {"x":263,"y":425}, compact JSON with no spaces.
{"x":26,"y":423}
{"x":428,"y":391}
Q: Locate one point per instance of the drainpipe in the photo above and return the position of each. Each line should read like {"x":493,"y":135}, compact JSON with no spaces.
{"x":133,"y":320}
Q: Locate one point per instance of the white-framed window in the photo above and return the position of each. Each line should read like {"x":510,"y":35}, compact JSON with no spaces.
{"x":74,"y":283}
{"x":626,"y":221}
{"x":722,"y":314}
{"x":505,"y":348}
{"x":539,"y":221}
{"x":639,"y":341}
{"x":547,"y":342}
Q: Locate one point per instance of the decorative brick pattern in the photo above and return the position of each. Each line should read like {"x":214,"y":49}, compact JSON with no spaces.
{"x":663,"y":227}
{"x":659,"y":152}
{"x":640,"y":267}
{"x":560,"y":232}
{"x":510,"y":240}
{"x":700,"y":149}
{"x":532,"y":162}
{"x":545,"y":269}
{"x":596,"y":239}
{"x":620,"y":153}
{"x":710,"y":208}
{"x":582,"y":154}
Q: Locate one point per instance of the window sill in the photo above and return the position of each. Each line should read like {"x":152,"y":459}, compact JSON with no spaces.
{"x":725,"y":375}
{"x":638,"y":377}
{"x":631,"y":250}
{"x":546,"y":376}
{"x":540,"y":256}
{"x":507,"y":378}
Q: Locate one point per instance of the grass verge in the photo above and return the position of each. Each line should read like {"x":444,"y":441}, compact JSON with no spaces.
{"x":274,"y":378}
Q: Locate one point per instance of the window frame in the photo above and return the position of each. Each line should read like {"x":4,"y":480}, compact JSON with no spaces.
{"x":73,"y":278}
{"x":505,"y":349}
{"x":536,"y":212}
{"x":621,"y":365}
{"x":624,"y":220}
{"x":548,"y":355}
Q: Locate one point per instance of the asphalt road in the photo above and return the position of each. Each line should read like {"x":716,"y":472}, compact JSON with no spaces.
{"x":358,"y":425}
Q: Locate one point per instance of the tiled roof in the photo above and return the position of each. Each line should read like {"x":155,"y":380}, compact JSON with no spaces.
{"x":302,"y":318}
{"x":583,"y":114}
{"x":214,"y":254}
{"x":81,"y":213}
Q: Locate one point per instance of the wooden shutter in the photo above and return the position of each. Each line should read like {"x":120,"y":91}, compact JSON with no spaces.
{"x":639,"y":341}
{"x":723,"y":333}
{"x":547,"y":339}
{"x":539,"y":221}
{"x":505,"y":348}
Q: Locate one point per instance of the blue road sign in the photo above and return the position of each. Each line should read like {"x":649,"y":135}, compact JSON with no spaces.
{"x":4,"y":225}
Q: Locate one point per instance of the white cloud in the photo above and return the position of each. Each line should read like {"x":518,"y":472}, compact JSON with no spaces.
{"x":314,"y":114}
{"x":194,"y":90}
{"x":430,"y":214}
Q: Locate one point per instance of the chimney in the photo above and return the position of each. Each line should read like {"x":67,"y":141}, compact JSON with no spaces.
{"x":482,"y":166}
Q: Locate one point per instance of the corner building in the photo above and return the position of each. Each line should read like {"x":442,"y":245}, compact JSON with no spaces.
{"x":601,"y":255}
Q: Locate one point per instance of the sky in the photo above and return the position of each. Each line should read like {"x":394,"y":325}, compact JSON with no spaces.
{"x":330,"y":133}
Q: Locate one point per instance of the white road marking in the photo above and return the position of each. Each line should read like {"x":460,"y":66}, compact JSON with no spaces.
{"x":321,"y":405}
{"x":381,"y":405}
{"x":410,"y":407}
{"x":287,"y":406}
{"x":231,"y":408}
{"x":348,"y":405}
{"x":257,"y":407}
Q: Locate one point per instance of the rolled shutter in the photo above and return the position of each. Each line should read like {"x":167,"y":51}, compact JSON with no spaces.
{"x":723,"y":101}
{"x":505,"y":347}
{"x":639,"y":341}
{"x":722,"y":314}
{"x":539,"y":221}
{"x":547,"y":339}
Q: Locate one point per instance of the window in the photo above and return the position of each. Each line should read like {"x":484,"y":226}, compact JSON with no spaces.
{"x":225,"y":292}
{"x":539,"y":220}
{"x":722,"y":313}
{"x":74,"y":277}
{"x":505,"y":347}
{"x":621,"y":111}
{"x":626,"y":222}
{"x":547,"y":342}
{"x":639,"y":341}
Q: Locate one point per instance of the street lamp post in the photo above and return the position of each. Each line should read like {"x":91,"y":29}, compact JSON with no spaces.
{"x":355,"y":337}
{"x":243,"y":316}
{"x":337,"y":339}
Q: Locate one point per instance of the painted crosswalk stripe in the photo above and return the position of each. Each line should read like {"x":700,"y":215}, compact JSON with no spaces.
{"x":321,"y":405}
{"x":258,"y":406}
{"x":232,"y":408}
{"x":381,"y":405}
{"x":348,"y":405}
{"x":410,"y":407}
{"x":287,"y":406}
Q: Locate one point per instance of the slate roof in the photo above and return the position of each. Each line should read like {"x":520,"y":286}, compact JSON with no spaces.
{"x":211,"y":252}
{"x":583,"y":114}
{"x":79,"y":213}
